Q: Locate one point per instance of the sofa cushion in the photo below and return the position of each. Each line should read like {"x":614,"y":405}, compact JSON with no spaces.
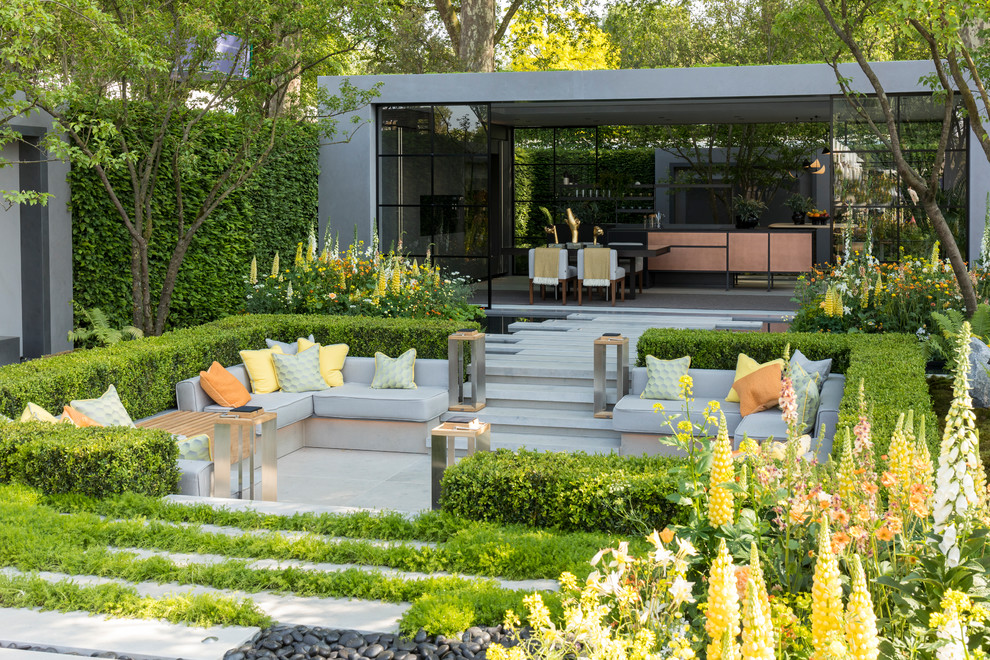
{"x":35,"y":413}
{"x":107,"y":410}
{"x":807,"y":396}
{"x":634,"y":415}
{"x":818,"y":369}
{"x":79,"y":419}
{"x":663,"y":377}
{"x":223,"y":387}
{"x":261,"y":369}
{"x":332,"y":360}
{"x":395,"y":373}
{"x":194,"y":448}
{"x":760,"y":426}
{"x":289,"y":348}
{"x":291,"y":407}
{"x":746,"y":365}
{"x":758,"y":390}
{"x":299,"y":372}
{"x":358,"y":401}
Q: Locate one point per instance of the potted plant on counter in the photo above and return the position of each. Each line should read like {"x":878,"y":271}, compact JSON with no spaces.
{"x":799,"y":206}
{"x":747,"y":211}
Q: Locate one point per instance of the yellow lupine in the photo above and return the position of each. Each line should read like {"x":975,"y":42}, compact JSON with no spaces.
{"x":832,"y":305}
{"x":861,"y":620}
{"x":864,"y":298}
{"x":395,"y":285}
{"x":756,"y":575}
{"x":901,"y":457}
{"x":848,"y":484}
{"x":757,"y":627}
{"x":253,"y":276}
{"x":720,"y":501}
{"x":275,"y":265}
{"x":826,"y":596}
{"x":722,"y":622}
{"x":924,"y":469}
{"x":299,"y":254}
{"x":382,"y":283}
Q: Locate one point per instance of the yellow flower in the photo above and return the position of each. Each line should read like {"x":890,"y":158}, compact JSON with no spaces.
{"x":720,"y":501}
{"x":757,"y":627}
{"x":848,"y":483}
{"x":253,"y":276}
{"x":826,"y":595}
{"x":901,"y":456}
{"x":861,"y":620}
{"x":722,"y":617}
{"x":275,"y":265}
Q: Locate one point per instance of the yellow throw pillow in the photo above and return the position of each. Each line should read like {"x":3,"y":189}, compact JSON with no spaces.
{"x":261,"y":369}
{"x":746,"y":365}
{"x":35,"y":413}
{"x":304,"y":343}
{"x":331,"y":362}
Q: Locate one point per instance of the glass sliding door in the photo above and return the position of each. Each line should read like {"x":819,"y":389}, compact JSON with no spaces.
{"x":871,"y":200}
{"x":433,"y":185}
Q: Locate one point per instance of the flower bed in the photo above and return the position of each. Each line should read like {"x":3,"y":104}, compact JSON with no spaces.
{"x":359,"y":281}
{"x":862,"y":294}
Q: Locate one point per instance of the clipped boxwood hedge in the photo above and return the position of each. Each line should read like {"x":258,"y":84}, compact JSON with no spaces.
{"x":891,"y":366}
{"x":572,"y":492}
{"x":145,"y":371}
{"x":95,"y":461}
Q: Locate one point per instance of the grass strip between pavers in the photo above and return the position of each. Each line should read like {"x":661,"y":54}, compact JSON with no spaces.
{"x":123,"y":601}
{"x":34,"y":537}
{"x":474,"y":548}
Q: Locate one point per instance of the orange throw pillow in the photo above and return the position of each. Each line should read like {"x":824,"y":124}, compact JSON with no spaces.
{"x":759,"y":390}
{"x":223,"y":387}
{"x":79,"y":419}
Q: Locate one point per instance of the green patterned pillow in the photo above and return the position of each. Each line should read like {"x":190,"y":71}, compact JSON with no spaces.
{"x":300,"y":372}
{"x":663,"y":377}
{"x":107,"y":410}
{"x":394,"y":373}
{"x":196,"y":448}
{"x":807,"y":396}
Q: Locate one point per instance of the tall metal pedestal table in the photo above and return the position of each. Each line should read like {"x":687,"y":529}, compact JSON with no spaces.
{"x":442,"y":449}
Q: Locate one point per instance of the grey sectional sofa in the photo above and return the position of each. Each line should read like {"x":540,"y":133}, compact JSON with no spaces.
{"x":639,"y":425}
{"x":352,"y":416}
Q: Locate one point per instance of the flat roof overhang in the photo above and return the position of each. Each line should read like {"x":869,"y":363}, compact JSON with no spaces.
{"x":703,"y":95}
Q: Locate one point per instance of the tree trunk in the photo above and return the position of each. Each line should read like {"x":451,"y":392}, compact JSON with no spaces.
{"x":951,"y":252}
{"x":477,"y":35}
{"x":168,"y":285}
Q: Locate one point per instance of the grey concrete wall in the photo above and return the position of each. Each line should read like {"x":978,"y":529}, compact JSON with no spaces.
{"x":347,"y":181}
{"x":10,"y":249}
{"x":979,"y":186}
{"x":45,"y":300}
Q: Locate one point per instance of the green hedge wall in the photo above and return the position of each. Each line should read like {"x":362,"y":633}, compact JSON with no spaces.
{"x":97,"y":461}
{"x":574,"y":492}
{"x":145,"y":371}
{"x":535,"y":183}
{"x":891,"y":366}
{"x":272,"y":212}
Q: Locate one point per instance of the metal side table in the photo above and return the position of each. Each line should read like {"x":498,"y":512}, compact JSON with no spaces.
{"x":243,"y":425}
{"x":621,"y":371}
{"x":442,"y":449}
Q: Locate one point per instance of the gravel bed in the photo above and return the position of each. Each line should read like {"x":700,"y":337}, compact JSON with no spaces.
{"x":284,"y":642}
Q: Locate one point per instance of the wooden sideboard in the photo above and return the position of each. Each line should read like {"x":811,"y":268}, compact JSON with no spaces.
{"x":729,"y":250}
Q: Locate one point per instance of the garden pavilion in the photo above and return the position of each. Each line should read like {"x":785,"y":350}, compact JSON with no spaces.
{"x":460,"y":163}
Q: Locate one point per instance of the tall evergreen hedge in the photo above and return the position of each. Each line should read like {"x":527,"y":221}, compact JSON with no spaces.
{"x":272,"y":212}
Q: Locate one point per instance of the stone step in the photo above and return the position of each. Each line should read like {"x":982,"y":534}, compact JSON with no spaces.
{"x":140,"y":639}
{"x":540,"y":442}
{"x":572,"y":397}
{"x":551,"y":422}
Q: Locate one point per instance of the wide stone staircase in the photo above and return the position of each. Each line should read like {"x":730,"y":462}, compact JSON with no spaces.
{"x":540,"y":385}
